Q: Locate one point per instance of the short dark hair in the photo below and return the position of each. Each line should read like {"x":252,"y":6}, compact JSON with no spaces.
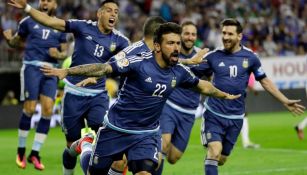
{"x":108,"y":1}
{"x":186,"y":23}
{"x":166,"y":28}
{"x":232,"y":22}
{"x":151,"y":24}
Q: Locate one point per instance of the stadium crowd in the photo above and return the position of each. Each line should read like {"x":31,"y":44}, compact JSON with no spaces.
{"x":272,"y":28}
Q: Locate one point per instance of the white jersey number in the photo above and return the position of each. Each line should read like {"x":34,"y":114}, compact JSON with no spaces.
{"x":160,"y":89}
{"x":99,"y":50}
{"x":233,"y":71}
{"x":46,"y":33}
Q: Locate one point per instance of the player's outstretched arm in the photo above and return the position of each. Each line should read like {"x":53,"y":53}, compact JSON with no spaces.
{"x":206,"y":88}
{"x":291,"y":105}
{"x":59,"y":55}
{"x":12,"y":41}
{"x":90,"y":70}
{"x":39,"y":16}
{"x":196,"y":59}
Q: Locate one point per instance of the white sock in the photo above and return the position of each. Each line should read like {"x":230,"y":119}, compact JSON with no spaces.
{"x":68,"y":171}
{"x":302,"y":124}
{"x":245,"y":132}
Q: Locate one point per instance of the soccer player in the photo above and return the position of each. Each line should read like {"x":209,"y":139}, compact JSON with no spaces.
{"x":246,"y":141}
{"x":178,"y":115}
{"x":42,"y":46}
{"x":131,"y":126}
{"x":95,"y":42}
{"x":231,"y":67}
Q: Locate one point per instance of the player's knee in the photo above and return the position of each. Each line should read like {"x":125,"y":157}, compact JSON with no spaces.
{"x":173,"y":158}
{"x":119,"y":165}
{"x":222,"y":160}
{"x":47,"y":112}
{"x":166,"y":146}
{"x":141,"y":166}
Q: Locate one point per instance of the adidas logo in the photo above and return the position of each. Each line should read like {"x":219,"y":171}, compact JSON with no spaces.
{"x":36,"y":26}
{"x":89,"y":38}
{"x":148,"y":80}
{"x":221,"y":64}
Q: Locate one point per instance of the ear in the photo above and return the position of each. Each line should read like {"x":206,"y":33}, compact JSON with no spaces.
{"x":157,"y":47}
{"x":98,"y":13}
{"x":240,"y":36}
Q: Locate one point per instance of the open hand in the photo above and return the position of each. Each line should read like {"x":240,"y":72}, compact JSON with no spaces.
{"x":21,"y":4}
{"x":88,"y":81}
{"x":294,"y":107}
{"x":199,"y":56}
{"x":8,"y":34}
{"x":49,"y":71}
{"x":232,"y":97}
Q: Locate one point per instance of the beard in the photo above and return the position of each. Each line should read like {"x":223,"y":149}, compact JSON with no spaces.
{"x":185,"y":47}
{"x":168,"y":59}
{"x":229,"y":45}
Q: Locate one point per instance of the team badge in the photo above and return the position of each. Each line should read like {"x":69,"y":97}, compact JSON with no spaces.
{"x":173,"y":83}
{"x":112,"y":47}
{"x":245,"y":63}
{"x":120,"y":55}
{"x":96,"y":158}
{"x":124,"y":62}
{"x":209,"y":136}
{"x":27,"y":94}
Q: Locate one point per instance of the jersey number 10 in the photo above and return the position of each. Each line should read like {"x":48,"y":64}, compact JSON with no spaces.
{"x":233,"y":71}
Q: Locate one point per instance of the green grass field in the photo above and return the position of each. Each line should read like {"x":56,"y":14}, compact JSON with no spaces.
{"x":281,"y":153}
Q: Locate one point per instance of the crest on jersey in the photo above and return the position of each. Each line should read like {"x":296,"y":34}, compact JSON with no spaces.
{"x":209,"y":135}
{"x":245,"y":63}
{"x":120,"y":55}
{"x":124,"y":62}
{"x":173,"y":83}
{"x":112,"y":47}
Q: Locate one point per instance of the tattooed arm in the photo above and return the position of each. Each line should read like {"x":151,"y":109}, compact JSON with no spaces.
{"x":91,"y":70}
{"x":206,"y":88}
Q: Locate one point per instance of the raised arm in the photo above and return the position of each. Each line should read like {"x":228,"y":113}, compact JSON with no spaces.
{"x":196,"y":59}
{"x":206,"y":88}
{"x":39,"y":16}
{"x":291,"y":105}
{"x":12,"y":41}
{"x":59,"y":55}
{"x":90,"y":70}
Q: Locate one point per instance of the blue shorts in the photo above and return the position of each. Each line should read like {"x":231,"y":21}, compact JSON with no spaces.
{"x":34,"y":82}
{"x":111,"y":145}
{"x":178,"y":124}
{"x":216,"y":128}
{"x":77,"y":108}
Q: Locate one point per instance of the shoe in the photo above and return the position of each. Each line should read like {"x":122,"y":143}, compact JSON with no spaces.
{"x":300,"y":133}
{"x":21,"y":163}
{"x":36,"y":161}
{"x":75,"y":148}
{"x":251,"y":146}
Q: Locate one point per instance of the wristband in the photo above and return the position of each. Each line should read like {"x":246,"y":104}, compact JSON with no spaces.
{"x":28,"y":8}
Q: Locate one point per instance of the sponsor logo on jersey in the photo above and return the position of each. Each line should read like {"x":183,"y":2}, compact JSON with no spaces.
{"x":245,"y":63}
{"x":112,"y":47}
{"x":36,"y":26}
{"x":222,"y":64}
{"x":148,"y":80}
{"x":89,"y":38}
